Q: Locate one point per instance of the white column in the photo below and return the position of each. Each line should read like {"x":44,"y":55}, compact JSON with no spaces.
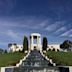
{"x":70,"y":68}
{"x":32,"y":44}
{"x":2,"y":69}
{"x":32,"y":40}
{"x":40,"y":40}
{"x":40,"y":43}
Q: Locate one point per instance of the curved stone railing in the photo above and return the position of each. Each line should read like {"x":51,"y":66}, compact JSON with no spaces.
{"x":18,"y":64}
{"x":50,"y":60}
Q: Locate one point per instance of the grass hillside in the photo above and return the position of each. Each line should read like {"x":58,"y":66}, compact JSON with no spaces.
{"x":10,"y":58}
{"x":60,"y":58}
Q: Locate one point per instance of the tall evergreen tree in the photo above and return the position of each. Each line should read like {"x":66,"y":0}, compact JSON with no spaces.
{"x":45,"y":42}
{"x":25,"y":43}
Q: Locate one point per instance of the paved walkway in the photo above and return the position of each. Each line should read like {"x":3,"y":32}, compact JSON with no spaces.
{"x":35,"y":59}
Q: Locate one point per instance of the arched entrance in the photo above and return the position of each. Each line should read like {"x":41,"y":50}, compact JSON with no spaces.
{"x":35,"y":41}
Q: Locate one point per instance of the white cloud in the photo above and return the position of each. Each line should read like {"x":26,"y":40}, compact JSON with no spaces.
{"x":43,"y":23}
{"x":11,"y":24}
{"x":3,"y":43}
{"x":68,"y":33}
{"x":51,"y":27}
{"x":31,"y":23}
{"x":60,"y":29}
{"x":12,"y":34}
{"x":55,"y":26}
{"x":6,"y":6}
{"x":28,"y":23}
{"x":38,"y":25}
{"x":16,"y":22}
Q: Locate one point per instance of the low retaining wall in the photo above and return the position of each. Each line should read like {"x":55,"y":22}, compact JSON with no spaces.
{"x":18,"y":64}
{"x":10,"y":68}
{"x":50,"y":60}
{"x":2,"y":69}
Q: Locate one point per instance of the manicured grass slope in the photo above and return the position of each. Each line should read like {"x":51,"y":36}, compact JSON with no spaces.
{"x":61,"y":58}
{"x":10,"y":58}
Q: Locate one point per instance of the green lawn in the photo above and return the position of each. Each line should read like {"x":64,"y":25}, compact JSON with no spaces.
{"x":61,"y":58}
{"x":10,"y":58}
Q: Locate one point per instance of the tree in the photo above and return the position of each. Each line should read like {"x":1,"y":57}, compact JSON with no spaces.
{"x":66,"y":44}
{"x":25,"y":43}
{"x":15,"y":44}
{"x":9,"y":45}
{"x":5,"y":51}
{"x":44,"y":45}
{"x":1,"y":51}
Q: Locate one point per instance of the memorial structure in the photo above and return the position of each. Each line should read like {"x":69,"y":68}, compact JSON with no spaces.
{"x":35,"y":42}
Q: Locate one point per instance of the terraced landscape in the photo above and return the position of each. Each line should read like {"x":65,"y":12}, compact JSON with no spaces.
{"x":60,"y":58}
{"x":9,"y":59}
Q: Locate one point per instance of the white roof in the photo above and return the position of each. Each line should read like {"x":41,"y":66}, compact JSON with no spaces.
{"x":35,"y":34}
{"x":53,"y":44}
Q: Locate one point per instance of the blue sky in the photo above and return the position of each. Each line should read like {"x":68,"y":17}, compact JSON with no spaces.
{"x":51,"y":18}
